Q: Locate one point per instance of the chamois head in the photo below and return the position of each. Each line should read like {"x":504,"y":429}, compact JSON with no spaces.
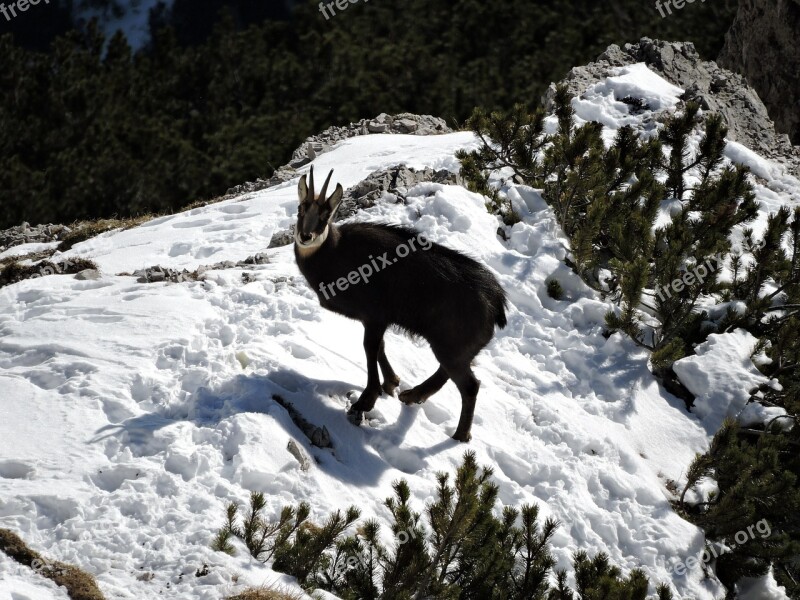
{"x":315,"y":213}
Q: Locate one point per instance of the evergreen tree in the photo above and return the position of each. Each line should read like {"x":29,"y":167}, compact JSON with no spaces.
{"x":757,"y":487}
{"x":606,"y":200}
{"x":471,"y":550}
{"x":216,"y":100}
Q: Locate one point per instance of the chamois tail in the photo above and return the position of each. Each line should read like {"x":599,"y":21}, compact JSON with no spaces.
{"x":500,"y":311}
{"x":496,"y":302}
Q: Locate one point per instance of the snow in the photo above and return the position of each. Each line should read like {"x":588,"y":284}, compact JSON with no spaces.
{"x":603,"y":101}
{"x":21,"y":583}
{"x":23,"y":249}
{"x":132,"y":413}
{"x":762,"y":588}
{"x":132,"y":18}
{"x":720,"y":374}
{"x":741,"y":155}
{"x":237,"y":228}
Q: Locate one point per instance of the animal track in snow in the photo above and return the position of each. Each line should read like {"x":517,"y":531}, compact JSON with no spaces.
{"x":180,"y":248}
{"x":238,"y":216}
{"x":221,"y":227}
{"x":110,"y":479}
{"x":192,"y":224}
{"x":233,"y":209}
{"x":206,"y":251}
{"x":299,"y":351}
{"x":16,"y":469}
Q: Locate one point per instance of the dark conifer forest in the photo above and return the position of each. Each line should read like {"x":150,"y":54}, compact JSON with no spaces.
{"x":225,"y":90}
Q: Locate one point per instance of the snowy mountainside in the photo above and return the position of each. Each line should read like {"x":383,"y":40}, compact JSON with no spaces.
{"x":132,"y":18}
{"x":132,"y":413}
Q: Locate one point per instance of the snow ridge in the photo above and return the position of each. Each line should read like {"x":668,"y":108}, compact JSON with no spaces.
{"x":132,"y":413}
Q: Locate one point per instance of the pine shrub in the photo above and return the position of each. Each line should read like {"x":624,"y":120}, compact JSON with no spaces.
{"x":606,"y":200}
{"x":468,"y":548}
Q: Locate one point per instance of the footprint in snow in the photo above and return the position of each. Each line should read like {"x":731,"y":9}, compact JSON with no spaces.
{"x":233,"y":209}
{"x":191,"y":224}
{"x":16,"y":469}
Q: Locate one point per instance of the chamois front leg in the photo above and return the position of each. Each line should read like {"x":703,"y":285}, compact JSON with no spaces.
{"x":468,"y":385}
{"x":390,"y":378}
{"x":373,"y":336}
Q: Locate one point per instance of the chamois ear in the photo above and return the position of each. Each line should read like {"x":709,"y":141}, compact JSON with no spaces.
{"x":302,"y":190}
{"x":335,"y":199}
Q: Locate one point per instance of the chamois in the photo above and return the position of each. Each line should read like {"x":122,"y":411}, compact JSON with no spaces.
{"x":432,"y":291}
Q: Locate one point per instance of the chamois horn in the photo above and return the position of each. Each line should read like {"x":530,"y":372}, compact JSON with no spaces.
{"x":322,"y":194}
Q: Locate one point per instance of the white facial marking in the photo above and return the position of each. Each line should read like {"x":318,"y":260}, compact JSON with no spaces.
{"x":309,"y":248}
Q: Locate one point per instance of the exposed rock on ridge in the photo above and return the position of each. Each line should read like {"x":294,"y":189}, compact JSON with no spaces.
{"x":315,"y":145}
{"x":716,"y":89}
{"x":762,"y":45}
{"x":392,"y":184}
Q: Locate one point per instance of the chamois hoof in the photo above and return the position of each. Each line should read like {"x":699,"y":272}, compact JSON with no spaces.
{"x":390,"y":385}
{"x":462,"y":436}
{"x":356,"y":417}
{"x":411,"y":397}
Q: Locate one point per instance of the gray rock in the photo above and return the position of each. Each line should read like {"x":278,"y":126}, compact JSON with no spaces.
{"x":392,"y":184}
{"x":282,"y":238}
{"x":762,"y":45}
{"x":717,"y":89}
{"x":318,"y":144}
{"x":318,"y":436}
{"x":406,"y":125}
{"x":299,"y":162}
{"x":311,"y":152}
{"x":383,"y":123}
{"x":28,"y":234}
{"x":375,"y":127}
{"x":158,"y":274}
{"x":257,"y":259}
{"x":298,"y":453}
{"x":281,"y":175}
{"x":88,"y":275}
{"x":321,"y":437}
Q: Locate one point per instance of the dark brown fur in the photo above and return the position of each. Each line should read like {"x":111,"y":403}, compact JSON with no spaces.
{"x":437,"y":293}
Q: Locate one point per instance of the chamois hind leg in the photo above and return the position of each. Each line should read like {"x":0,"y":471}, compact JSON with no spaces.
{"x":390,"y":378}
{"x":373,"y":334}
{"x":418,"y":394}
{"x":468,"y":385}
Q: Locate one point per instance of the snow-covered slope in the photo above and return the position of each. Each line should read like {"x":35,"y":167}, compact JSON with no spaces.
{"x":131,"y":413}
{"x":131,"y":17}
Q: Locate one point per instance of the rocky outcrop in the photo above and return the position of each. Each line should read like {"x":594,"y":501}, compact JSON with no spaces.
{"x":715,"y":88}
{"x":27,"y":234}
{"x":403,"y":123}
{"x":391,"y":184}
{"x":158,"y":274}
{"x":762,"y":45}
